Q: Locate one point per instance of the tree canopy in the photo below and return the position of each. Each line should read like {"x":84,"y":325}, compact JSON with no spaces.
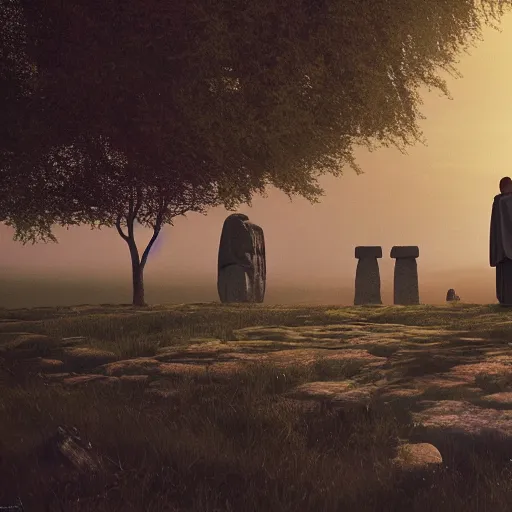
{"x":109,"y":103}
{"x":275,"y":90}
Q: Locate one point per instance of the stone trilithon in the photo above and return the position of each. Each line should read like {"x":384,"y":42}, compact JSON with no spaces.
{"x":367,"y":275}
{"x":241,"y":266}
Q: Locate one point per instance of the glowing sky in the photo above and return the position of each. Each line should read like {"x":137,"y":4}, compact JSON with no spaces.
{"x":437,"y":197}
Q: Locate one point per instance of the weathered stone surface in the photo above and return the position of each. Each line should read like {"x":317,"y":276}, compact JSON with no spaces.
{"x":341,"y":395}
{"x":405,"y":251}
{"x":241,"y":263}
{"x":84,"y":358}
{"x":406,"y":289}
{"x":233,"y":284}
{"x":418,"y":456}
{"x":27,"y":345}
{"x":78,"y":380}
{"x":456,"y":416}
{"x":50,"y":365}
{"x":367,"y":288}
{"x":259,"y":264}
{"x":457,"y":388}
{"x":368,"y":251}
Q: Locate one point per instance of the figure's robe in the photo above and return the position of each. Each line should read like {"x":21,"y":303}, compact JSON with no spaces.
{"x":500,"y":249}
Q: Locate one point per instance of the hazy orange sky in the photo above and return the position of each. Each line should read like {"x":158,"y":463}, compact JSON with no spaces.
{"x":437,"y":197}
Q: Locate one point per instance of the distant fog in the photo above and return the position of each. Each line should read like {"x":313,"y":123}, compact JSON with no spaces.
{"x":33,"y":291}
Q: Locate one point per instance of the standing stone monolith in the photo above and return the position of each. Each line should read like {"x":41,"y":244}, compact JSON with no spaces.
{"x":241,"y":266}
{"x":367,"y":275}
{"x":406,"y":291}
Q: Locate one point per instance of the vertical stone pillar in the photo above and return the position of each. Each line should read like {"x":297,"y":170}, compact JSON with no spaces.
{"x":242,"y":270}
{"x":367,"y":275}
{"x":406,"y":291}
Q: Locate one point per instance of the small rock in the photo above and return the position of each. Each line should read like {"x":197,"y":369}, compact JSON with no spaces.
{"x":418,"y":456}
{"x":51,"y":364}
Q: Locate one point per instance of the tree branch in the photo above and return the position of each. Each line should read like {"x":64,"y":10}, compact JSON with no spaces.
{"x":120,"y":230}
{"x":145,"y":254}
{"x":156,"y":231}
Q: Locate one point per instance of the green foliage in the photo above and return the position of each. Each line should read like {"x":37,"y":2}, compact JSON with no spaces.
{"x":212,"y":99}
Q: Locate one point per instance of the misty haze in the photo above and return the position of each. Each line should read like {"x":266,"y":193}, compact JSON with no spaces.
{"x":437,"y":197}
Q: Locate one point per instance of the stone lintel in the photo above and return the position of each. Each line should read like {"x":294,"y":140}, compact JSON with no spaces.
{"x":405,"y":251}
{"x":368,"y":251}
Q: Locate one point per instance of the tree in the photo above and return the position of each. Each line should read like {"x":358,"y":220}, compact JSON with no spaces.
{"x":224,"y":97}
{"x":93,"y":184}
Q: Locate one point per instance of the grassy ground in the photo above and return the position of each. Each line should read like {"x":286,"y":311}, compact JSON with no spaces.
{"x":235,"y":442}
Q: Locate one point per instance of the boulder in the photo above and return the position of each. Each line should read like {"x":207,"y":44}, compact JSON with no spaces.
{"x":241,"y":262}
{"x":418,"y":456}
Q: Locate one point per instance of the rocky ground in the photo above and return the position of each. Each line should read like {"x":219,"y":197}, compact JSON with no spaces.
{"x":455,"y":383}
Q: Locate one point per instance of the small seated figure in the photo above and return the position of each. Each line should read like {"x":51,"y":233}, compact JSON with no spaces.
{"x":451,"y":296}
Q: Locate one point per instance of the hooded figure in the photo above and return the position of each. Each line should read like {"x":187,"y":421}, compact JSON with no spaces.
{"x":500,"y":247}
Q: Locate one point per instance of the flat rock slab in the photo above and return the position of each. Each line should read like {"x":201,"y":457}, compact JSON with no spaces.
{"x":27,"y":345}
{"x":498,"y":399}
{"x":153,"y":367}
{"x":51,"y":364}
{"x":368,"y":251}
{"x":77,"y":380}
{"x":321,"y":390}
{"x":487,"y":367}
{"x":456,"y":416}
{"x":343,"y":334}
{"x":396,"y":393}
{"x":404,"y":251}
{"x":338,"y":393}
{"x":44,"y":365}
{"x":86,"y":358}
{"x":449,"y":381}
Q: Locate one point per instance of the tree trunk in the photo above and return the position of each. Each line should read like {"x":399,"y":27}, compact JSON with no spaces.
{"x":138,"y":283}
{"x":138,"y":263}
